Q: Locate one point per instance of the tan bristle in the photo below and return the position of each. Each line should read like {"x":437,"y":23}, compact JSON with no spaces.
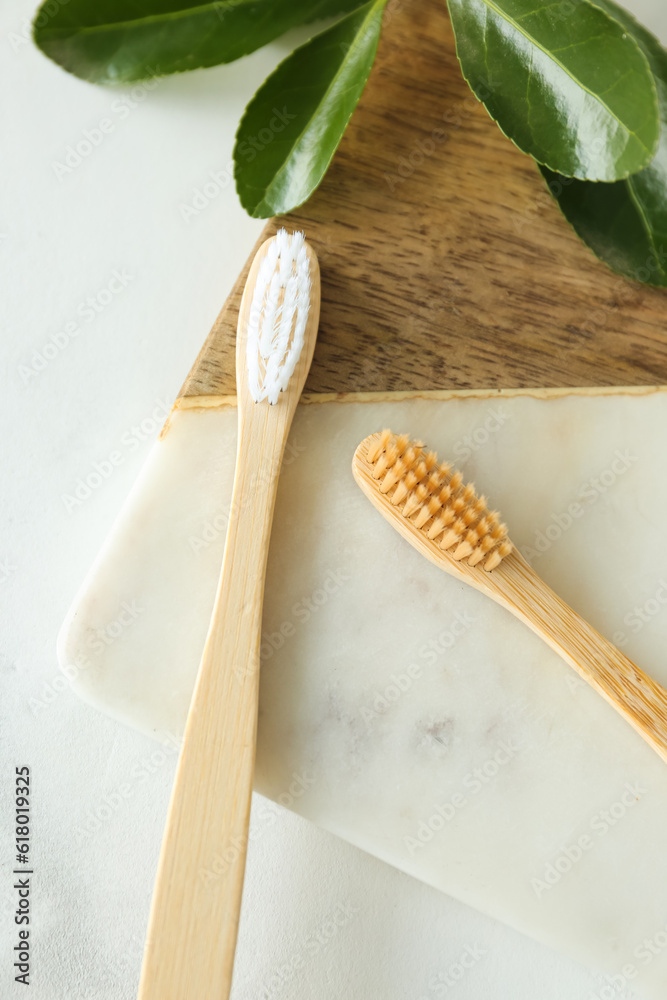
{"x":380,"y":466}
{"x":494,"y":560}
{"x":399,"y":493}
{"x":406,"y":485}
{"x":389,"y":481}
{"x":421,"y":471}
{"x":459,"y":505}
{"x":374,"y":450}
{"x":411,"y":504}
{"x":392,"y":455}
{"x":476,"y":557}
{"x":434,"y":506}
{"x":434,"y":498}
{"x":479,"y":530}
{"x":415,"y":500}
{"x":410,"y":458}
{"x":436,"y":528}
{"x":396,"y":472}
{"x":464,"y":550}
{"x":429,"y":510}
{"x":424,"y":515}
{"x":453,"y":536}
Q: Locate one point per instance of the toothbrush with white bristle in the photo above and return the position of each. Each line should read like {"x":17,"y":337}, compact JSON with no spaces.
{"x":193,"y":925}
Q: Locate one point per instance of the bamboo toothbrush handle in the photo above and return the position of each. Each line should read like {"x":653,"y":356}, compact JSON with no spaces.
{"x":638,"y":698}
{"x":194,"y":917}
{"x":448,"y":523}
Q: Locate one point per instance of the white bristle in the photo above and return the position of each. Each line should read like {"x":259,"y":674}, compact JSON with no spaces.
{"x":278,"y":316}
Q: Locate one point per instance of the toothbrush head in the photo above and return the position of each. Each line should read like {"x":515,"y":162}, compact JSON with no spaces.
{"x":400,"y":477}
{"x":278,"y":315}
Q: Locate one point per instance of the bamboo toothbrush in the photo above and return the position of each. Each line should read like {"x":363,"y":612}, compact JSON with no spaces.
{"x":193,"y":924}
{"x":429,"y":504}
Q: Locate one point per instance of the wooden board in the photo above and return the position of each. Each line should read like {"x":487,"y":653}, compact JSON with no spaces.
{"x":445,"y":262}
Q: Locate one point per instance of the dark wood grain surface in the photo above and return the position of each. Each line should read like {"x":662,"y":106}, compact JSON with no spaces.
{"x":445,"y":263}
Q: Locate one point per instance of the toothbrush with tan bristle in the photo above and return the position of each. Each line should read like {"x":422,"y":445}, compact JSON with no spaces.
{"x":193,"y":925}
{"x":443,"y":518}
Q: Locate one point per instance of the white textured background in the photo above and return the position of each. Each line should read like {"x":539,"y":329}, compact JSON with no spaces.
{"x":320,"y":918}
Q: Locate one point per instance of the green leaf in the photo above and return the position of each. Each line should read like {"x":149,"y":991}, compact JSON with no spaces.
{"x":625,"y":223}
{"x":119,"y":41}
{"x":563,"y":80}
{"x":292,"y":126}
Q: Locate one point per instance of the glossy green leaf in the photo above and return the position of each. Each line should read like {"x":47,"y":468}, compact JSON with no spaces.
{"x":625,"y":223}
{"x":293,"y":124}
{"x":563,"y":80}
{"x":119,"y":41}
